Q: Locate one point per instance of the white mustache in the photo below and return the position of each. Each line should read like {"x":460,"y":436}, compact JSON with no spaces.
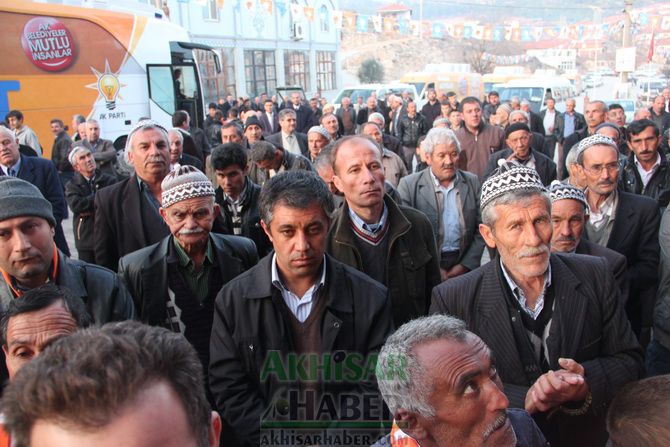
{"x":499,"y":422}
{"x":533,"y":251}
{"x":195,"y":231}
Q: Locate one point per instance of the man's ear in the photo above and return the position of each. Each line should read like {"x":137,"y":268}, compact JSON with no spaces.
{"x":163,"y":214}
{"x":267,"y":230}
{"x":409,"y":423}
{"x":214,"y":429}
{"x":487,"y":234}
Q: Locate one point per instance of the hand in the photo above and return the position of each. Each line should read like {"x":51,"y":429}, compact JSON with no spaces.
{"x":557,"y":387}
{"x":456,"y":270}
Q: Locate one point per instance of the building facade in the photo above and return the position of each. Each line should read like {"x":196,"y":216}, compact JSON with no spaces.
{"x":262,"y":44}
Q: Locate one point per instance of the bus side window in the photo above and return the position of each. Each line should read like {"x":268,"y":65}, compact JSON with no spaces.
{"x":161,"y":87}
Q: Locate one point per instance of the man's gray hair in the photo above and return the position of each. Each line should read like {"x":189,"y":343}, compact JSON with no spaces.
{"x":283,"y":112}
{"x":437,"y":136}
{"x":294,"y":189}
{"x":441,"y":122}
{"x":92,"y":121}
{"x":401,"y":377}
{"x":376,"y":116}
{"x":524,"y":102}
{"x":513,"y":197}
{"x":571,"y":158}
{"x":262,"y":150}
{"x":519,"y":112}
{"x":143,"y":126}
{"x":175,"y":131}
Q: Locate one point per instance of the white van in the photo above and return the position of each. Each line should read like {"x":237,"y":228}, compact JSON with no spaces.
{"x":365,"y":90}
{"x":536,"y":90}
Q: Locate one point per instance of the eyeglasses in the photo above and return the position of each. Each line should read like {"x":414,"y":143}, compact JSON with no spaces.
{"x":598,"y":169}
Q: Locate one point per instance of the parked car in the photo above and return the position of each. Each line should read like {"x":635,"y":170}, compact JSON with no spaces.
{"x":365,"y":90}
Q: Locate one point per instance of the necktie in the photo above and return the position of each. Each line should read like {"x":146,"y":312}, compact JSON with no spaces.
{"x":12,"y":172}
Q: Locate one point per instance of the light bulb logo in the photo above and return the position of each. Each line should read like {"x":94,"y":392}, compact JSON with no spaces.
{"x":109,"y":86}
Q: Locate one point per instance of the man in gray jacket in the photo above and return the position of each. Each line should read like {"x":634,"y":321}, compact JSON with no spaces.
{"x":449,"y":197}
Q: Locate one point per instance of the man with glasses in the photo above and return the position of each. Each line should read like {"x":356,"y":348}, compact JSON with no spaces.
{"x":624,"y":222}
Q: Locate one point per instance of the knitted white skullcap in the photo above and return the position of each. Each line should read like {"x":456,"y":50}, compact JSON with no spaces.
{"x":184,"y":182}
{"x":596,"y":140}
{"x":510,"y":176}
{"x":73,"y":153}
{"x":561,"y":191}
{"x":320,"y":130}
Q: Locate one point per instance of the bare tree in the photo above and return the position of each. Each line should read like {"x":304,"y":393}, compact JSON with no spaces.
{"x":473,"y":54}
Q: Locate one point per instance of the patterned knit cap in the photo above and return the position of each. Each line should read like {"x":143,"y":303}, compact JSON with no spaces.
{"x":596,"y":140}
{"x":321,"y":131}
{"x":184,"y":182}
{"x":561,"y":191}
{"x":510,"y":176}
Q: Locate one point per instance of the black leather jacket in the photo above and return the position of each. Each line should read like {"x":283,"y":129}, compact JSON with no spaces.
{"x":658,"y":187}
{"x":410,"y":129}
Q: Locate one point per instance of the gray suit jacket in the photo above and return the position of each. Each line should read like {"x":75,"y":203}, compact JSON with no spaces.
{"x":104,"y":156}
{"x":418,"y":191}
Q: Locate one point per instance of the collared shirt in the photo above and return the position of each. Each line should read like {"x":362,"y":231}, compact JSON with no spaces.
{"x":270,"y":117}
{"x":198,"y":281}
{"x":549,"y":121}
{"x":606,"y":212}
{"x":366,"y":227}
{"x":299,"y":306}
{"x":569,"y":127}
{"x":146,"y":191}
{"x":647,"y":175}
{"x":521,"y":297}
{"x":16,"y":167}
{"x":451,"y":219}
{"x":290,"y":143}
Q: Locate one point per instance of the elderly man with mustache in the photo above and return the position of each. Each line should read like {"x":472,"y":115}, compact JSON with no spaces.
{"x":175,"y":281}
{"x":554,"y":322}
{"x":624,"y":222}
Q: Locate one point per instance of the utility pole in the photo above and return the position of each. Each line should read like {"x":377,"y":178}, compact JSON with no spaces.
{"x":627,"y":10}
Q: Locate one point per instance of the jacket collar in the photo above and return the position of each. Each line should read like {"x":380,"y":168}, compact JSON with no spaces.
{"x":398,"y":223}
{"x":567,"y":319}
{"x":339,"y":294}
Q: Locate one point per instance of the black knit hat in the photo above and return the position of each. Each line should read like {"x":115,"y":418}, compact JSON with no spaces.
{"x":19,"y":198}
{"x":514,"y":127}
{"x":252,"y":120}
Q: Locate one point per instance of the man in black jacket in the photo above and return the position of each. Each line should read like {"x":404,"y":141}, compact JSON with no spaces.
{"x":237,"y":196}
{"x":555,"y":322}
{"x":624,"y":222}
{"x":646,"y":171}
{"x":60,"y":150}
{"x":29,"y":257}
{"x":517,"y":139}
{"x":80,"y":195}
{"x":175,"y":281}
{"x":126,"y":214}
{"x":297,"y":310}
{"x":177,"y":155}
{"x":412,"y":126}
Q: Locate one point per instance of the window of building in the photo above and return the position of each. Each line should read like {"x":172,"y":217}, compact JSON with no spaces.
{"x":324,"y":19}
{"x":325,"y":70}
{"x":260,"y":72}
{"x":216,"y":85}
{"x":210,"y":11}
{"x":296,"y":68}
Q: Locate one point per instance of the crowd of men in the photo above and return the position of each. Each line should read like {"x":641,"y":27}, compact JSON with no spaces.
{"x":465,"y":273}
